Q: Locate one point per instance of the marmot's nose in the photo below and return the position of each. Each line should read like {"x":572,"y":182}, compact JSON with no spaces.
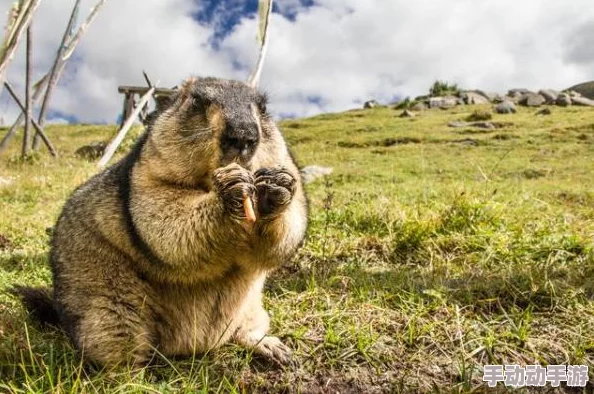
{"x":242,"y":143}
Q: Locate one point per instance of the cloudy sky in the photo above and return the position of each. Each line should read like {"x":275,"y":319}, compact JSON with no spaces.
{"x":324,"y":55}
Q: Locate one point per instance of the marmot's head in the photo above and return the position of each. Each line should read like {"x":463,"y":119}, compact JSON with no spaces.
{"x":208,"y":123}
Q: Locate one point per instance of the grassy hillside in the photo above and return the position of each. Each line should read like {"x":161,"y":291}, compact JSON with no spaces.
{"x":432,"y":251}
{"x":585,"y":89}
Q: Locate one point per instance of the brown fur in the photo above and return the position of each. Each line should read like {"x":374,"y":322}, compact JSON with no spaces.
{"x":155,"y":252}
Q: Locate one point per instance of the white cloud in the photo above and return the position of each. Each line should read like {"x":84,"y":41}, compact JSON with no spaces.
{"x":127,"y":37}
{"x":337,"y":53}
{"x":348,"y":51}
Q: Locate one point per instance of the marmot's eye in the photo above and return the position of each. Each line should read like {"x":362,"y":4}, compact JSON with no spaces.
{"x":199,"y":104}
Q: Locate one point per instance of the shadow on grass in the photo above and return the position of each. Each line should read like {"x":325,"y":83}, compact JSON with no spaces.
{"x":17,"y":262}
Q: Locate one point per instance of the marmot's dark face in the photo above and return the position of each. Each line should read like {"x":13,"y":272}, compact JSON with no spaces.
{"x":240,"y":110}
{"x":210,"y":123}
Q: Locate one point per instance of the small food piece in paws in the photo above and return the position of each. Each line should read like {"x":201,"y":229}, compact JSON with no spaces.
{"x":248,"y":207}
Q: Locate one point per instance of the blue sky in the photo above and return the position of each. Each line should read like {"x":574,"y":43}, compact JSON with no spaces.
{"x":225,"y":14}
{"x":324,"y":55}
{"x":211,"y":13}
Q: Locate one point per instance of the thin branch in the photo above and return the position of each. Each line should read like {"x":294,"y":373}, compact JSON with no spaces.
{"x":113,"y":145}
{"x":147,"y":79}
{"x":82,"y":30}
{"x":53,"y":75}
{"x":265,"y":10}
{"x":33,"y":121}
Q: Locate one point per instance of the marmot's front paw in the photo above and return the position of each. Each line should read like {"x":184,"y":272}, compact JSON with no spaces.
{"x":275,"y":188}
{"x":233,"y":183}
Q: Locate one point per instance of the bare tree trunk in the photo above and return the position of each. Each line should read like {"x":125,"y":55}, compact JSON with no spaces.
{"x":28,"y":109}
{"x":53,"y":76}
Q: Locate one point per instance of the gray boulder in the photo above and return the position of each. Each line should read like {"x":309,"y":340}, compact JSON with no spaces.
{"x":582,"y":101}
{"x":518,"y":92}
{"x":497,"y":98}
{"x":313,"y":172}
{"x":474,"y":97}
{"x":418,"y":107}
{"x":514,"y":99}
{"x":491,"y":96}
{"x":370,"y":104}
{"x":505,"y":107}
{"x":550,"y":95}
{"x":92,"y":151}
{"x":563,"y":100}
{"x":532,"y":100}
{"x":443,"y":102}
{"x":435,"y":102}
{"x":573,"y":93}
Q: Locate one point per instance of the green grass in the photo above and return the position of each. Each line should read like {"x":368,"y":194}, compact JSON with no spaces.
{"x":432,"y":251}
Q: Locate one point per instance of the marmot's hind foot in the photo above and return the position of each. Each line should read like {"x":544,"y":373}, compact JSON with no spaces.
{"x":274,"y":350}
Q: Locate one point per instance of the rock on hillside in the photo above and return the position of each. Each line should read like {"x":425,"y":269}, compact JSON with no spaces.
{"x":532,"y":100}
{"x":505,"y":107}
{"x":474,"y":97}
{"x":582,"y":101}
{"x":550,"y":95}
{"x":563,"y":100}
{"x":582,"y":94}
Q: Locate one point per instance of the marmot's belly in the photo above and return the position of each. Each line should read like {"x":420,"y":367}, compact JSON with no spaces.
{"x":203,"y":319}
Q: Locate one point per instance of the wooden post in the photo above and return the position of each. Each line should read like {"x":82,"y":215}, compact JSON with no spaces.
{"x":33,"y":121}
{"x":113,"y":145}
{"x":124,"y":111}
{"x":53,"y":76}
{"x":128,"y":108}
{"x":28,"y":109}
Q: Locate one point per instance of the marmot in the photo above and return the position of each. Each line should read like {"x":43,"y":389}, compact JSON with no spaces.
{"x":156,"y":253}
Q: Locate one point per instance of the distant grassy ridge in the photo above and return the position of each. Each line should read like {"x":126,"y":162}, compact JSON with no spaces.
{"x":586,"y":89}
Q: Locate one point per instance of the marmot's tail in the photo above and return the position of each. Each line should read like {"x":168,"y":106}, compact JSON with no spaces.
{"x":39,"y":303}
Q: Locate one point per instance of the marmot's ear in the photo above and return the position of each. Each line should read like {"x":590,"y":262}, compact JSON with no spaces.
{"x":162,"y":103}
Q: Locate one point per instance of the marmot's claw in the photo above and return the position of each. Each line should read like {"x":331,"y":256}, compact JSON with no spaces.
{"x":233,"y":184}
{"x":275,"y":188}
{"x":273,"y":349}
